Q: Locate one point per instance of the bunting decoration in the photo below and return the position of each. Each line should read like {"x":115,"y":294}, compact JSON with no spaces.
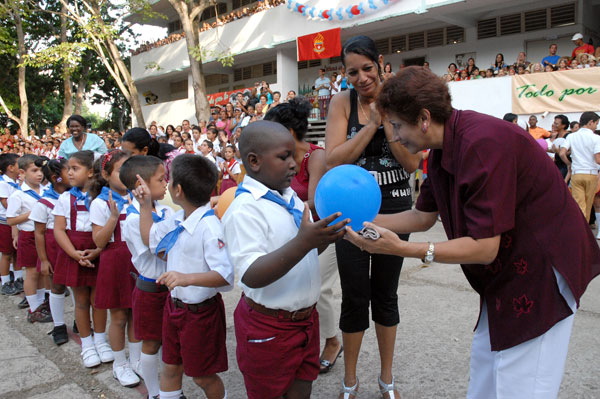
{"x":340,"y":13}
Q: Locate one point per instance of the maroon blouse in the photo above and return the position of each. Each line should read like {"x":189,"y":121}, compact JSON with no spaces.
{"x":491,"y":178}
{"x":300,"y":181}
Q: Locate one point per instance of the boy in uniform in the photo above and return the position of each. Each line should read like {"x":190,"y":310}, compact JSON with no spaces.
{"x":8,"y":184}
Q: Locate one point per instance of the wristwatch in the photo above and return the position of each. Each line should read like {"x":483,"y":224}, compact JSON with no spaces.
{"x":430,"y":254}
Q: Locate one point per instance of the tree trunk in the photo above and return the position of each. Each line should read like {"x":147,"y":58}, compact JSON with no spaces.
{"x":22,"y":52}
{"x":85,"y":70}
{"x":68,"y":108}
{"x":202,"y":107}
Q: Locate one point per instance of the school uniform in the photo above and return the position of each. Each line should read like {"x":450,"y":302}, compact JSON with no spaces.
{"x":194,"y":317}
{"x":228,"y":180}
{"x":115,"y":283}
{"x":7,"y":187}
{"x":148,"y":298}
{"x":277,"y":326}
{"x":73,"y":206}
{"x":42,"y":213}
{"x":20,"y":202}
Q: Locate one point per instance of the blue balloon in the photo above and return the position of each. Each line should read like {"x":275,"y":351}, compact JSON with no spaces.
{"x":351,"y":190}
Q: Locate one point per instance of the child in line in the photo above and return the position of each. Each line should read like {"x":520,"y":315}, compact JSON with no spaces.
{"x":230,"y":170}
{"x":55,"y":171}
{"x":272,"y":242}
{"x":148,"y":298}
{"x":198,"y":268}
{"x":8,"y":184}
{"x":114,"y":284}
{"x":20,"y":204}
{"x":79,"y":258}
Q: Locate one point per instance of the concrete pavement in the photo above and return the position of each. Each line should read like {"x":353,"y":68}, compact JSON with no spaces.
{"x":438,"y":311}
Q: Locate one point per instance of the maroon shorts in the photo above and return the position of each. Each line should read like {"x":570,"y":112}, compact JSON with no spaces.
{"x":148,"y":309}
{"x":6,"y":246}
{"x":196,"y":339}
{"x":272,"y":352}
{"x":26,"y":252}
{"x":114,"y":284}
{"x":70,"y":272}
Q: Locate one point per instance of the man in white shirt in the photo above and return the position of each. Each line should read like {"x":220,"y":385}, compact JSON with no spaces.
{"x":323,"y":86}
{"x":585,"y":155}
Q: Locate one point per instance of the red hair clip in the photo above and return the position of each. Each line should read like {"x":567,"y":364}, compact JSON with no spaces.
{"x":107,"y":157}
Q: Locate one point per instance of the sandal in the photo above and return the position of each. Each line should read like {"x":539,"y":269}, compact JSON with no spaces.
{"x":349,"y":392}
{"x":327,"y":365}
{"x":389,"y":389}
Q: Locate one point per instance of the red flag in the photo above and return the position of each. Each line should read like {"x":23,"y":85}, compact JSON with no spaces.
{"x":326,"y":44}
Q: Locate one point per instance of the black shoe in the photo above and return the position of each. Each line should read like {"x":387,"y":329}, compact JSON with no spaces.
{"x":23,"y":304}
{"x":59,"y":334}
{"x":19,"y":284}
{"x":75,"y":329}
{"x":39,"y":316}
{"x":9,"y":289}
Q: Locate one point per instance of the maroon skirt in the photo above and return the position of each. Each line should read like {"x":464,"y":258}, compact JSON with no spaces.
{"x":115,"y":283}
{"x":6,"y":242}
{"x":52,"y":249}
{"x":70,"y":272}
{"x":226,"y":184}
{"x":26,"y":252}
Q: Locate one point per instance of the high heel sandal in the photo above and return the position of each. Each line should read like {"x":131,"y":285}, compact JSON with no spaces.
{"x":349,"y":392}
{"x":388,"y":388}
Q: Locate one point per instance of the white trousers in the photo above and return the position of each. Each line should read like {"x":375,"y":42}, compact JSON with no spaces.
{"x":531,"y":370}
{"x":325,"y":305}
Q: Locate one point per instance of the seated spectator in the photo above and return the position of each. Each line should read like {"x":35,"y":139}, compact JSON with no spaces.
{"x":536,"y":68}
{"x":499,"y":63}
{"x":583,"y":60}
{"x":522,"y":60}
{"x":489,"y":73}
{"x":552,"y":58}
{"x":563,"y":64}
{"x":549,"y":68}
{"x":470,"y":66}
{"x":452,"y":74}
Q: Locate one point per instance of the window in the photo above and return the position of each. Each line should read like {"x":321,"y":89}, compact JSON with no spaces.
{"x":383,"y":46}
{"x":510,"y":24}
{"x":314,"y":63}
{"x":302,"y":64}
{"x":535,"y":20}
{"x":254,"y":71}
{"x":241,"y":3}
{"x":562,"y":15}
{"x":174,"y":26}
{"x":416,"y":40}
{"x":221,"y":8}
{"x":486,"y":28}
{"x":398,"y":44}
{"x":414,"y":61}
{"x":455,"y":34}
{"x":435,"y":37}
{"x":179,"y":90}
{"x":335,"y":60}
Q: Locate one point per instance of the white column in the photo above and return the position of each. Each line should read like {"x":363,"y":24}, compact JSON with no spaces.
{"x":287,"y":71}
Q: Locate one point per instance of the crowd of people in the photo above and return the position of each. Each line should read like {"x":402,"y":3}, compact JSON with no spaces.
{"x":222,"y":19}
{"x":132,"y":224}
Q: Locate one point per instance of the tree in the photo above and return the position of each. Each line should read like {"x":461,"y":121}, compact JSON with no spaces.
{"x":14,"y":10}
{"x":189,"y":12}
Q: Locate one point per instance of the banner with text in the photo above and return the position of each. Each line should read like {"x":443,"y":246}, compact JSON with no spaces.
{"x":577,"y":90}
{"x":325,"y":44}
{"x":225,"y":97}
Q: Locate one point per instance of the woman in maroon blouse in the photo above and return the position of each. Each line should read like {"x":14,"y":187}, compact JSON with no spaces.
{"x":523,"y":244}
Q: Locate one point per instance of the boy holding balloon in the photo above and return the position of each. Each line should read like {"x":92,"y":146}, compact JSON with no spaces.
{"x":273,"y":243}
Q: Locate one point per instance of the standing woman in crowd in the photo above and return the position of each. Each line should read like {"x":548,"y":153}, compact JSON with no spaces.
{"x":452,"y":73}
{"x":470,"y":66}
{"x":80,"y":140}
{"x":504,"y":207}
{"x":387,"y":71}
{"x":355,"y":135}
{"x":310,"y":161}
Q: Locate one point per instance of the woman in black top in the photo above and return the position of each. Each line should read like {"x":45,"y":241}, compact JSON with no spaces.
{"x":355,"y":135}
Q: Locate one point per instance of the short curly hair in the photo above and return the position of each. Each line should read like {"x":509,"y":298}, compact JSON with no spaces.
{"x":413,"y":89}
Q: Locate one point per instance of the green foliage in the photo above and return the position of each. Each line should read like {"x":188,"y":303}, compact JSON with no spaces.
{"x":152,"y":66}
{"x":224,"y":57}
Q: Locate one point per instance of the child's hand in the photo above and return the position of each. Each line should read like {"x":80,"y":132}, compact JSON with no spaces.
{"x":46,"y":268}
{"x":142,"y":193}
{"x":114,"y":209}
{"x":319,"y":234}
{"x":91,"y":254}
{"x":173,"y":279}
{"x":15,"y":241}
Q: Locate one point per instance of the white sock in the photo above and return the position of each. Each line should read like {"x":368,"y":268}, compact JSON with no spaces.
{"x":18,"y":274}
{"x":57,"y":308}
{"x":72,"y":295}
{"x":135,"y":351}
{"x":87,"y":342}
{"x":5,"y":279}
{"x":33,"y":302}
{"x":120,"y":357}
{"x":99,"y":338}
{"x":48,"y":292}
{"x":170,"y":395}
{"x":41,"y":294}
{"x":149,"y":365}
{"x":598,"y":218}
{"x":225,"y":397}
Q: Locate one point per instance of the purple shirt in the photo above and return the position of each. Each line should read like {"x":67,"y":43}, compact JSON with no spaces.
{"x":491,"y":178}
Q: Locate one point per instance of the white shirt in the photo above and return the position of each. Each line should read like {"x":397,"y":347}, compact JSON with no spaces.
{"x":5,"y":191}
{"x":43,"y":214}
{"x":235,"y":169}
{"x":197,"y":143}
{"x":145,"y":262}
{"x":100,"y":213}
{"x":63,"y":208}
{"x":210,"y":158}
{"x":200,"y":248}
{"x":325,"y":81}
{"x":583,"y":144}
{"x":19,"y":203}
{"x":255,"y":227}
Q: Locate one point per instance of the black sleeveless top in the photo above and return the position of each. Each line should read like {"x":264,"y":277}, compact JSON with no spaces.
{"x":378,"y":159}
